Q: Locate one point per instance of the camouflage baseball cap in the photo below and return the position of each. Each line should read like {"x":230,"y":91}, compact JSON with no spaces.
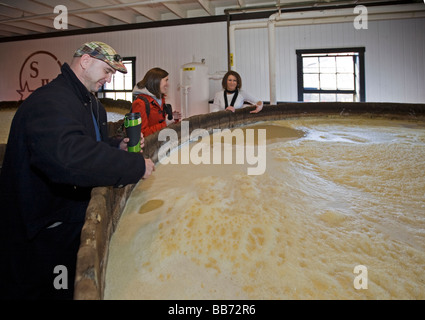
{"x":104,"y":52}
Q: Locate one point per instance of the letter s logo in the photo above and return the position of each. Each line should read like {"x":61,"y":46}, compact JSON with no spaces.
{"x":32,"y":67}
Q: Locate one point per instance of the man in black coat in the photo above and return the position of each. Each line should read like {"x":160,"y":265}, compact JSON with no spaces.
{"x":58,"y":150}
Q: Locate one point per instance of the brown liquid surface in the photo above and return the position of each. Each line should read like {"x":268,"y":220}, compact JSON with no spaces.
{"x":336,"y":194}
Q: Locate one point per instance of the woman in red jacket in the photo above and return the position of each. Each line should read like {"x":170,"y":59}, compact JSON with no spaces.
{"x":150,"y":101}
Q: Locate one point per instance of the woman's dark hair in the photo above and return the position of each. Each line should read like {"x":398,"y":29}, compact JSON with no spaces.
{"x":231,"y":73}
{"x":152,"y":81}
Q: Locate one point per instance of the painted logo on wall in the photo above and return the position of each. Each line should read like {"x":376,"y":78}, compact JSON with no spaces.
{"x":38,"y":69}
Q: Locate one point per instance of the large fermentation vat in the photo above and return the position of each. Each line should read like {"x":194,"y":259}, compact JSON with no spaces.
{"x":107,"y":204}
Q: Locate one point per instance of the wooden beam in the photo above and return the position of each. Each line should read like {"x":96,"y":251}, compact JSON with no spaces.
{"x":176,"y":9}
{"x":207,"y":7}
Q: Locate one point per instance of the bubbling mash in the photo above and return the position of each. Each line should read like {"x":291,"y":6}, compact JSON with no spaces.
{"x":337,"y":193}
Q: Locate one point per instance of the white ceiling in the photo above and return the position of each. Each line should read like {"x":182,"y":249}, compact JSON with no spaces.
{"x":34,"y":17}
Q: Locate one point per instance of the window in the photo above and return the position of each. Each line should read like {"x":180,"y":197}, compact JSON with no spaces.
{"x":121,"y":85}
{"x":331,"y":75}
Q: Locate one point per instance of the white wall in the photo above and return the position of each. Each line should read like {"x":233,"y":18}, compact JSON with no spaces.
{"x":394,"y":58}
{"x":167,"y":47}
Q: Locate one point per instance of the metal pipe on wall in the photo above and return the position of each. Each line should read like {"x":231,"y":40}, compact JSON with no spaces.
{"x":271,"y":26}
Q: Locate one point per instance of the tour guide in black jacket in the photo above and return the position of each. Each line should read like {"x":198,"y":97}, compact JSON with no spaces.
{"x":55,"y":155}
